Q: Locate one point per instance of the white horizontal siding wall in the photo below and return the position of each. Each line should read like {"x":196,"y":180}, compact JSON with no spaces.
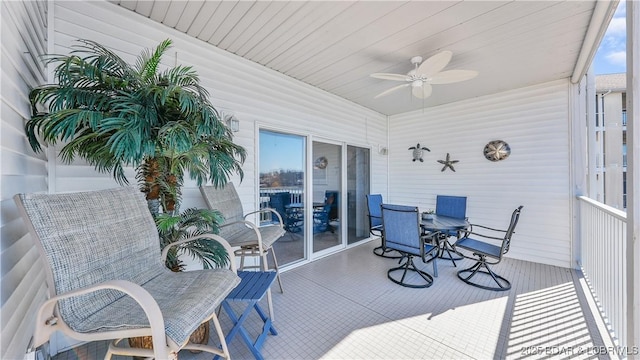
{"x":534,"y":121}
{"x":24,"y":37}
{"x":256,"y":95}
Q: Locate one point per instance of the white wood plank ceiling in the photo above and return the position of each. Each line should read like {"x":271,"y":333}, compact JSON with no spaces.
{"x":336,"y":45}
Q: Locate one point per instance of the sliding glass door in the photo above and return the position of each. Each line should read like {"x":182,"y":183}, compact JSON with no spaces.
{"x":327,"y":203}
{"x":358,"y":178}
{"x":282,"y":184}
{"x":323,"y":211}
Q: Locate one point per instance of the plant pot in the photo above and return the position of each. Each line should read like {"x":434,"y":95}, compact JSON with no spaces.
{"x":426,"y":216}
{"x":199,"y":336}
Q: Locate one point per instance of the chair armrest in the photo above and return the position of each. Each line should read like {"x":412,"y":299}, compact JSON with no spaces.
{"x":272,"y":210}
{"x":248,"y":224}
{"x":430,"y":236}
{"x":218,"y":238}
{"x":485,"y":227}
{"x":47,"y":321}
{"x":470,"y":231}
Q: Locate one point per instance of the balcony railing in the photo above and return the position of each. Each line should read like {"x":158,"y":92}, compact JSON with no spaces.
{"x":296,"y":195}
{"x":603,"y":230}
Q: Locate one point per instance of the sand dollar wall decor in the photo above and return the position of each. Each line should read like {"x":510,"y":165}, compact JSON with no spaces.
{"x":321,"y":163}
{"x":497,"y":150}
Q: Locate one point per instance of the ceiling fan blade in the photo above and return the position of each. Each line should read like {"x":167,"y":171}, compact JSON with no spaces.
{"x":452,"y":76}
{"x":434,"y":64}
{"x":388,"y":91}
{"x":387,"y":76}
{"x":422,"y":92}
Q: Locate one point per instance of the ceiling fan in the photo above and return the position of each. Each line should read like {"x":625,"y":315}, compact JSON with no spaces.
{"x":425,"y":74}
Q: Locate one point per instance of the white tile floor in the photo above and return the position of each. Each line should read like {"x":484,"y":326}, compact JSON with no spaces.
{"x":344,"y":307}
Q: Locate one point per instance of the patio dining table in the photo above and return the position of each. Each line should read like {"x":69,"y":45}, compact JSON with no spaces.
{"x":294,"y":215}
{"x":441,"y":225}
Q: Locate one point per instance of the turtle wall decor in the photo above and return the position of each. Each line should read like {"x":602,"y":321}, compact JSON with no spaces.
{"x":418,"y":152}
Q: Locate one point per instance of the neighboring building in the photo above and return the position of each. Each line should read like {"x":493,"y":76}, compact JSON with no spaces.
{"x":610,"y":140}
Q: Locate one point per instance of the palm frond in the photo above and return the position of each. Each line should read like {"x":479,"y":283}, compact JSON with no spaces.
{"x":100,"y":55}
{"x":147,"y":63}
{"x":177,"y":136}
{"x":209,"y":252}
{"x":189,"y":223}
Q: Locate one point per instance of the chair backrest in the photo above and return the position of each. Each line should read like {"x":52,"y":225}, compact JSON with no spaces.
{"x":373,"y":207}
{"x":331,"y":198}
{"x":279,"y":201}
{"x":87,"y":238}
{"x":515,"y":216}
{"x":226,"y":200}
{"x":321,"y":218}
{"x":401,"y":228}
{"x":453,"y":206}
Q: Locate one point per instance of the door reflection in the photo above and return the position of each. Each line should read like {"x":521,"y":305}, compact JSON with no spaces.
{"x":327,"y":178}
{"x":282,"y":164}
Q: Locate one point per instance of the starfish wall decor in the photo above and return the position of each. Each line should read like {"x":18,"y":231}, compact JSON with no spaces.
{"x":448,"y":163}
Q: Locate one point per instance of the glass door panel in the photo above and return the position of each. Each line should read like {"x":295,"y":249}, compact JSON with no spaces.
{"x":358,"y":177}
{"x":282,"y":174}
{"x":327,"y":180}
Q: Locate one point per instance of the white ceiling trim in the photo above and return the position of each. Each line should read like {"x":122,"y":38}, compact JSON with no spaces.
{"x":602,"y":15}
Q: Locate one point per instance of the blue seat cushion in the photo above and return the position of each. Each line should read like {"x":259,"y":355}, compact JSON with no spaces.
{"x":479,"y":247}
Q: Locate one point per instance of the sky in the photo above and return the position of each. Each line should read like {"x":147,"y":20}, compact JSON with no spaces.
{"x":611,"y":55}
{"x":280,"y":151}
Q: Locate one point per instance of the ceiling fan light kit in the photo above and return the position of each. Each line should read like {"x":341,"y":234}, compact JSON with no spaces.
{"x":426,"y":73}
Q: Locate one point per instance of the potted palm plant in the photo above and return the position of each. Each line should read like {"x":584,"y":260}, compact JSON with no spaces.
{"x":161,"y":122}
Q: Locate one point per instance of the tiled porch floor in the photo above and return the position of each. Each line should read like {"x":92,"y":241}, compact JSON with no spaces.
{"x":344,"y":307}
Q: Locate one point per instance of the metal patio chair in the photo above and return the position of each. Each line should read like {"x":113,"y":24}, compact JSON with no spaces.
{"x":252,"y":240}
{"x":455,"y":207}
{"x":331,"y":197}
{"x":487,"y":250}
{"x":278,"y":201}
{"x":321,"y":219}
{"x":402,"y":232}
{"x":374,"y":214}
{"x":107,"y":279}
